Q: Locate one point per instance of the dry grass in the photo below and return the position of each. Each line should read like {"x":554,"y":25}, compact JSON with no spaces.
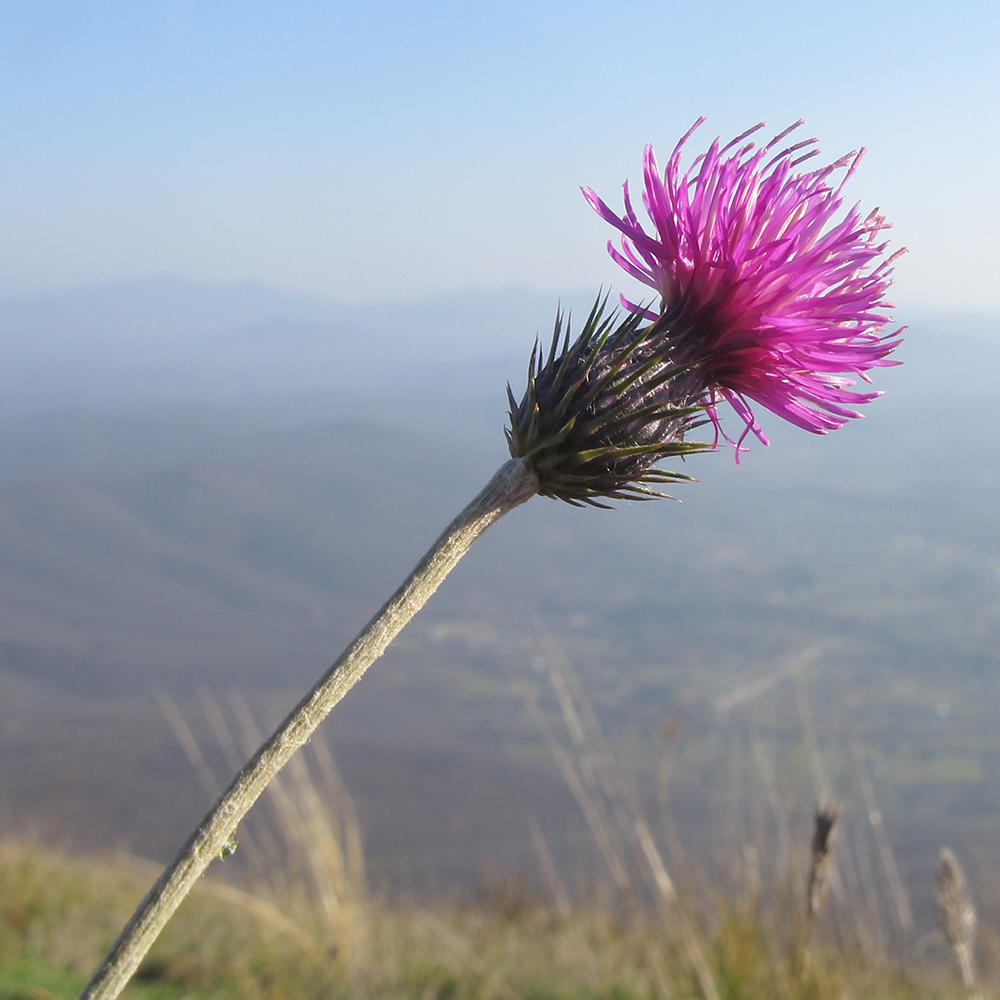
{"x":58,"y":914}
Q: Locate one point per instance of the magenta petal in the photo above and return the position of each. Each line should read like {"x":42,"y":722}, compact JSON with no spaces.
{"x":770,"y":287}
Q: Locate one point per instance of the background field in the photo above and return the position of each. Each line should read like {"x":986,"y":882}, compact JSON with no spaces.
{"x":213,"y":488}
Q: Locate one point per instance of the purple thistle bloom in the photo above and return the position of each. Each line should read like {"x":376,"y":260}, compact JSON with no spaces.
{"x":766,"y":294}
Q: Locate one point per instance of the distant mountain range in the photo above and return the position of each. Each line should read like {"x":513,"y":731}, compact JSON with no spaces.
{"x":141,"y":345}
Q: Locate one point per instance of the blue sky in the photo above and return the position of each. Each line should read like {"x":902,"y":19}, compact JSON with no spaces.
{"x":399,"y":149}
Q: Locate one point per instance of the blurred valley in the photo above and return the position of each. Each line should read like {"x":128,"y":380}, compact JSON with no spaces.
{"x":205,"y":492}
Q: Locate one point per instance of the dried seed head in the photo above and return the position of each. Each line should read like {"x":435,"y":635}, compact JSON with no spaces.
{"x":824,"y":822}
{"x":957,"y":913}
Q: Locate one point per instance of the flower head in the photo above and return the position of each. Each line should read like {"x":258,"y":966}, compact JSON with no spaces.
{"x":767,"y":293}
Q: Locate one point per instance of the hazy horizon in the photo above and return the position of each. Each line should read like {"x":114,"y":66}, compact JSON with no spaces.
{"x":407,"y":149}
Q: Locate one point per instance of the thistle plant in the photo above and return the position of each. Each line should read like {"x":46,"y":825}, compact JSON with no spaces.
{"x":768,"y":294}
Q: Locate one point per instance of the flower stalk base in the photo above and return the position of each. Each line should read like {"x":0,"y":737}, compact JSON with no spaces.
{"x":512,"y":485}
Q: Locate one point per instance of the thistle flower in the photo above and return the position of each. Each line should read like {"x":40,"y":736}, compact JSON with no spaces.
{"x":764,"y":297}
{"x":764,"y":294}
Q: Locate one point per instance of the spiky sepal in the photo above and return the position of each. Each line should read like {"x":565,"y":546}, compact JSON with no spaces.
{"x":598,"y":414}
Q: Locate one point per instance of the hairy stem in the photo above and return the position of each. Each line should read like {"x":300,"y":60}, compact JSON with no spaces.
{"x":513,"y":484}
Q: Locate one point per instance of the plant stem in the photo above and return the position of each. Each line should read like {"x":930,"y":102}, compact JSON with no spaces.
{"x":513,"y":484}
